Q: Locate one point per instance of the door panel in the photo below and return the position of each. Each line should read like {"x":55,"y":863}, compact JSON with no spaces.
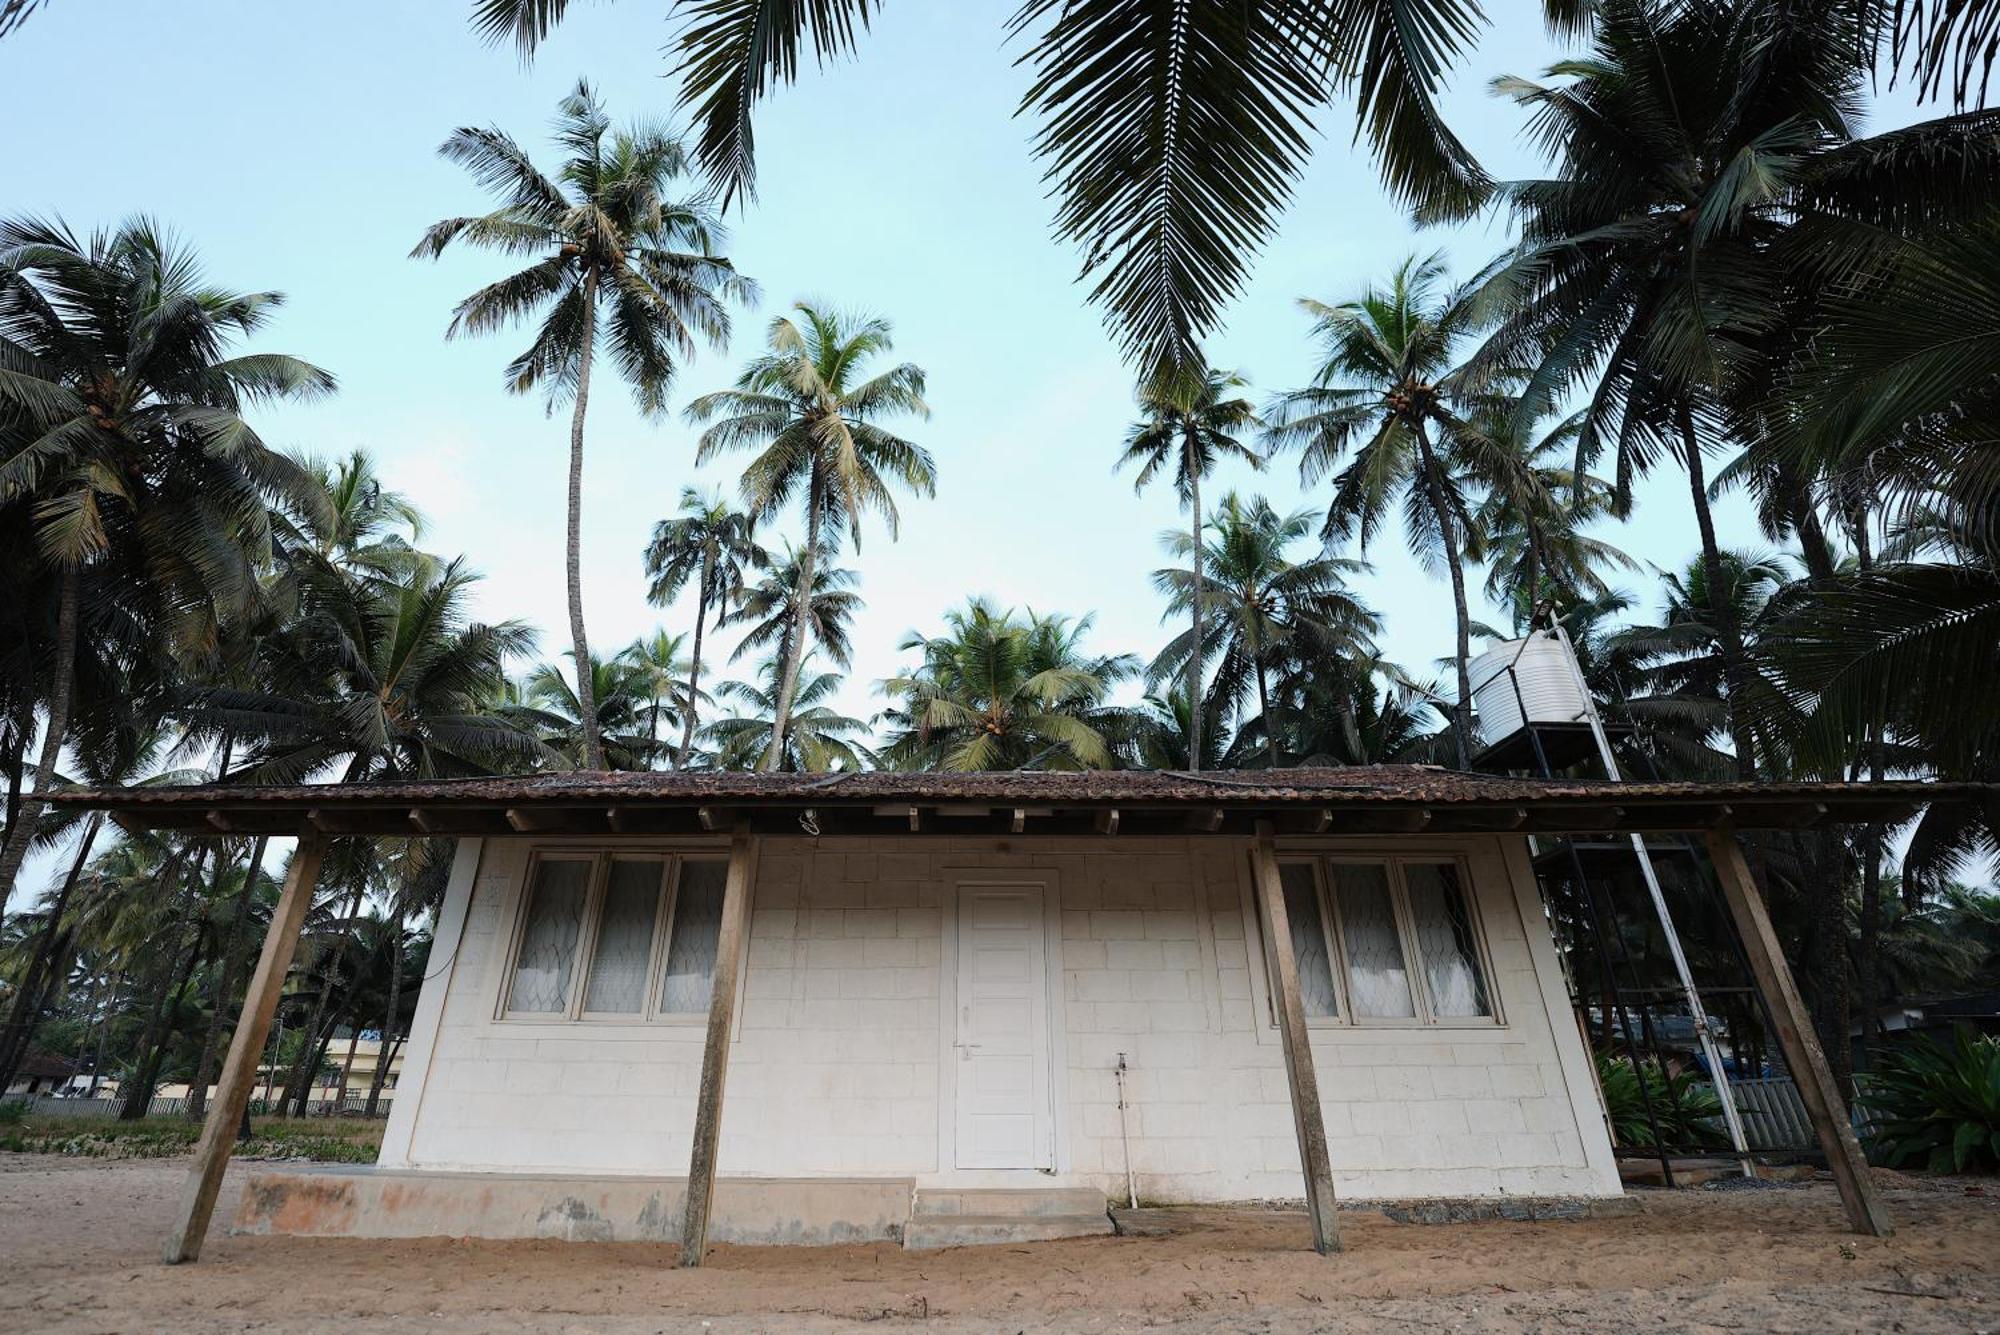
{"x":1002,"y":1046}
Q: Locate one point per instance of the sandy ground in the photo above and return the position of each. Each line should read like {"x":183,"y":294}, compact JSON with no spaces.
{"x":78,"y":1241}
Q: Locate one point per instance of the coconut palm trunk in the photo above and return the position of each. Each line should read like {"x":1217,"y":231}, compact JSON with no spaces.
{"x":1454,"y":557}
{"x":586,"y":696}
{"x":1194,"y":655}
{"x":166,"y":1004}
{"x":1271,"y":753}
{"x":1722,"y":604}
{"x":27,"y":820}
{"x":298,"y":1087}
{"x":795,"y":651}
{"x":104,"y":1035}
{"x":394,"y":1010}
{"x":225,"y":986}
{"x":25,"y":1015}
{"x":694,"y":666}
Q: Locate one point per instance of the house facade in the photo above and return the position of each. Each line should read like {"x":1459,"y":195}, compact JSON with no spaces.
{"x":954,"y":1010}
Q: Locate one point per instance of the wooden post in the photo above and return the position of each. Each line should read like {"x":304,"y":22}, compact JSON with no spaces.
{"x":1796,"y":1038}
{"x":239,"y":1068}
{"x":1284,"y":972}
{"x":715,"y":1053}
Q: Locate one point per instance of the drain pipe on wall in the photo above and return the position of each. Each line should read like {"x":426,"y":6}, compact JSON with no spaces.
{"x":1125,"y":1136}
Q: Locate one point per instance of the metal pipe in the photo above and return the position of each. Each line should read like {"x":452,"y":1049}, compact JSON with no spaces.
{"x":1696,"y":1013}
{"x":1125,"y":1136}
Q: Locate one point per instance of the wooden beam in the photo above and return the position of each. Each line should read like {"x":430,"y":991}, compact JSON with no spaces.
{"x":1020,"y":821}
{"x":1206,"y":822}
{"x":1299,"y":1073}
{"x":239,"y":1068}
{"x":520,"y":821}
{"x":1106,"y":821}
{"x":729,"y":947}
{"x":1796,"y":1038}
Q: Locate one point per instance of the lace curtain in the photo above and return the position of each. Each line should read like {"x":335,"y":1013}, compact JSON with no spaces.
{"x":624,"y":949}
{"x":548,"y":942}
{"x":1308,"y":939}
{"x":1445,"y":946}
{"x":690,"y":972}
{"x":1375,"y":967}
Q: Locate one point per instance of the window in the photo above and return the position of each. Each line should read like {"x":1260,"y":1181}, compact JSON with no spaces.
{"x":615,"y":936}
{"x":1386,"y":941}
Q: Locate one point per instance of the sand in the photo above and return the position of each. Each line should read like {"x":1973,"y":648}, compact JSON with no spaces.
{"x":78,"y":1241}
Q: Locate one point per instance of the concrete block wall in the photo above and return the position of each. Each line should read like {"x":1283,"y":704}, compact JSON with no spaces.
{"x":836,"y":1067}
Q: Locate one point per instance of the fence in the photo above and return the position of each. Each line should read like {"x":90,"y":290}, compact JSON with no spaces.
{"x":1774,"y":1116}
{"x":42,"y":1105}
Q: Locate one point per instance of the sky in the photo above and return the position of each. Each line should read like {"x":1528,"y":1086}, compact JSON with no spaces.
{"x":295,"y":146}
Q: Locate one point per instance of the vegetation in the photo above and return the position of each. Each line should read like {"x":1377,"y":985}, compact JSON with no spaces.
{"x":1684,"y":1107}
{"x":1937,"y":1105}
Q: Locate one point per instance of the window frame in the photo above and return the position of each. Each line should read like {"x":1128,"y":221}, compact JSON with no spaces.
{"x":666,"y":902}
{"x":1335,"y":928}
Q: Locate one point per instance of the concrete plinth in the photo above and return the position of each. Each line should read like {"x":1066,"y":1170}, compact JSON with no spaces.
{"x":361,"y":1202}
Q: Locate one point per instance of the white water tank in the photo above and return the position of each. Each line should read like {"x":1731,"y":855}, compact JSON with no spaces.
{"x":1546,"y":675}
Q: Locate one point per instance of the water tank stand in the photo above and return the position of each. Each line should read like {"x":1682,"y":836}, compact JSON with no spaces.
{"x":1731,"y":1116}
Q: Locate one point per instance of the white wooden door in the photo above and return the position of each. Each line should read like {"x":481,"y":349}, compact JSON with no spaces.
{"x":1004,"y":1109}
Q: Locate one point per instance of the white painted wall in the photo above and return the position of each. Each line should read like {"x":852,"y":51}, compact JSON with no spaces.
{"x":840,"y":1063}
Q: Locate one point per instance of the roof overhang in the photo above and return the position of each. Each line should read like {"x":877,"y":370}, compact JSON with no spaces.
{"x":1385,"y":800}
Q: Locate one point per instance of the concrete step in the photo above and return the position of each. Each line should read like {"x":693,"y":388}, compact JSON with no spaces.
{"x":1010,"y":1202}
{"x":929,"y":1232}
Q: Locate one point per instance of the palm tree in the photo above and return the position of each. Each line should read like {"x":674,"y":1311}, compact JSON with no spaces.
{"x":999,"y":692}
{"x":770,"y":608}
{"x":804,"y":406}
{"x":621,"y":697}
{"x":709,"y":545}
{"x":1708,"y":188}
{"x":123,"y":446}
{"x":1188,"y":420}
{"x":380,"y":678}
{"x":366,"y":526}
{"x":1267,"y":606}
{"x":817,"y":738}
{"x":608,"y":244}
{"x":1391,"y":393}
{"x":1173,"y":134}
{"x":1538,"y":554}
{"x":663,"y":673}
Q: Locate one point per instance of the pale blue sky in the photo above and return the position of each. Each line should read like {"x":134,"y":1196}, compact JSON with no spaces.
{"x":295,"y":145}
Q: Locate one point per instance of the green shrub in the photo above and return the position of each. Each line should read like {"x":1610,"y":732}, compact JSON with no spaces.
{"x":1684,"y":1103}
{"x":1937,"y":1105}
{"x":13,"y":1112}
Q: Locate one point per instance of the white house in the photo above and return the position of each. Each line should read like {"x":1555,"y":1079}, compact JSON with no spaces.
{"x":952,"y":1008}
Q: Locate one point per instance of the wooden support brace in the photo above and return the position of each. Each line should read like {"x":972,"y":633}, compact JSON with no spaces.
{"x":729,"y":948}
{"x":1796,"y":1038}
{"x":1299,"y":1073}
{"x":239,"y":1068}
{"x":1106,"y":821}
